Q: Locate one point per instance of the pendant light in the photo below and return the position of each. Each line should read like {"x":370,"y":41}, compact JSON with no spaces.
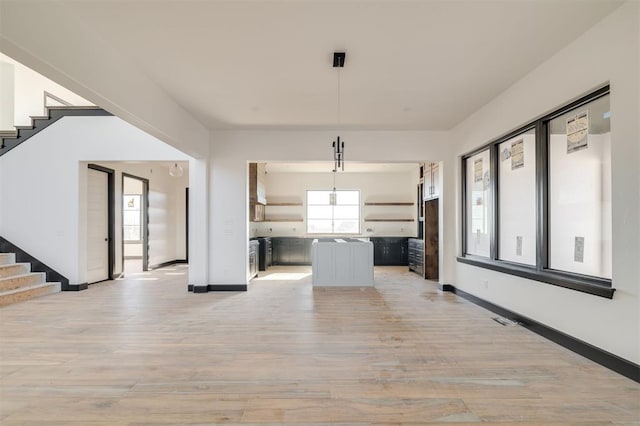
{"x":176,"y":170}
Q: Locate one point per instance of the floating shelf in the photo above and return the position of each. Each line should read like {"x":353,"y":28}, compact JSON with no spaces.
{"x":390,"y":204}
{"x":284,"y":204}
{"x":282,"y":219}
{"x":389,"y":220}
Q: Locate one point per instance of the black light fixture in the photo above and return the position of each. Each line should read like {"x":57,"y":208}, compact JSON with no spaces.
{"x":338,"y":155}
{"x":338,"y":145}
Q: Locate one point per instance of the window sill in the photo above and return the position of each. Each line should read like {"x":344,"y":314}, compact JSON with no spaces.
{"x":591,"y":285}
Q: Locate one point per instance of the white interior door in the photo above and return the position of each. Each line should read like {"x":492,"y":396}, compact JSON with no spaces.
{"x":97,"y":226}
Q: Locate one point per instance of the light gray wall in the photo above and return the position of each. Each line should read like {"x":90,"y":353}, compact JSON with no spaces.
{"x":607,"y":52}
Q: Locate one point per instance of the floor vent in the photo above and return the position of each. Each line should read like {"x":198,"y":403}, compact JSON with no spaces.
{"x":505,"y":321}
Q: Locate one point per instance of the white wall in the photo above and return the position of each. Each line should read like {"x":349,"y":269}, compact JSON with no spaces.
{"x":373,"y":187}
{"x":28,"y":93}
{"x":609,"y":51}
{"x":7,"y":95}
{"x":231,"y":150}
{"x":43,"y":203}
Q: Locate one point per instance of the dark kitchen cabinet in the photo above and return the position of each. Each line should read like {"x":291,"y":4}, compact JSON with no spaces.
{"x":416,"y":255}
{"x":253,"y":258}
{"x":265,"y":253}
{"x":291,"y":250}
{"x":390,"y":251}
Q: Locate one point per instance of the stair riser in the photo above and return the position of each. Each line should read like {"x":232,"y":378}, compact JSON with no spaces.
{"x":7,"y":299}
{"x":7,"y":258}
{"x":25,"y":281}
{"x":14,"y":269}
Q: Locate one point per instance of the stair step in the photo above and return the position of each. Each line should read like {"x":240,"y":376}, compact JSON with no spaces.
{"x":13,"y":269}
{"x":24,"y":280}
{"x":7,"y":258}
{"x":26,"y":293}
{"x":8,"y":133}
{"x":39,"y":117}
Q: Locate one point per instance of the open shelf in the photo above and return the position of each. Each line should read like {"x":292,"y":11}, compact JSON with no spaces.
{"x":283,"y":204}
{"x":283,"y":219}
{"x":399,"y":203}
{"x":389,"y":220}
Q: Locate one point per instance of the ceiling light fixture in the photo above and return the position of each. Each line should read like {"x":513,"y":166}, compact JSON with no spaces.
{"x":176,"y":170}
{"x":338,"y":145}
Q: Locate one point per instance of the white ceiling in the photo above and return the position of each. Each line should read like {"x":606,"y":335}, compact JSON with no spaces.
{"x":267,"y":64}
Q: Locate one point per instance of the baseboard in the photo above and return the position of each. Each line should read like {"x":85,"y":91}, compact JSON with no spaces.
{"x":446,"y":287}
{"x":195,"y":288}
{"x":75,"y":287}
{"x":167,"y":263}
{"x":606,"y":359}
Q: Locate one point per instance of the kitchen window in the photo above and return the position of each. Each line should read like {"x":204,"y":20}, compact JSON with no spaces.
{"x":333,"y":212}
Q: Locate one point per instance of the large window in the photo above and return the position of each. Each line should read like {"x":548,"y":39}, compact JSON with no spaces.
{"x":580,"y":190}
{"x":333,"y":212}
{"x":517,"y":199}
{"x":480,"y":204}
{"x":537,"y":201}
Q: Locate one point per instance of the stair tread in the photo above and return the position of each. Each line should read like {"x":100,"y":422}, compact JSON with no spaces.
{"x":39,"y":117}
{"x":6,"y":265}
{"x":30,"y":287}
{"x":22,"y":275}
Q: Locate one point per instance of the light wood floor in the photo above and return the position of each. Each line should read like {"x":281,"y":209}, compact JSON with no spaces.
{"x":145,"y":351}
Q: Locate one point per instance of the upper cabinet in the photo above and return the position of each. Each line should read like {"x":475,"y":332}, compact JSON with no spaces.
{"x":431,"y":186}
{"x":257,"y":192}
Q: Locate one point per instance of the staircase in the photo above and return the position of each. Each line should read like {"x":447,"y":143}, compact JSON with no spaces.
{"x":18,"y":283}
{"x":12,"y":138}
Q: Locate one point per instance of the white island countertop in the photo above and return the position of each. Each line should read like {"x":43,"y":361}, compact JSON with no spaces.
{"x":342,"y":262}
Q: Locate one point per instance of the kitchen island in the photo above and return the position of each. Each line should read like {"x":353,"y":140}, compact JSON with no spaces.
{"x":342,"y":262}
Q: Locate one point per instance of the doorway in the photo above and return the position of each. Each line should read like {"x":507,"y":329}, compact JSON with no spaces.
{"x":100,"y":223}
{"x":135,"y":224}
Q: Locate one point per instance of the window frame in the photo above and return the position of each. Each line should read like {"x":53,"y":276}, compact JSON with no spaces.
{"x":541,"y":271}
{"x":358,"y":219}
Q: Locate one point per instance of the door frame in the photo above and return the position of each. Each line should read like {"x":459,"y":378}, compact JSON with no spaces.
{"x":186,"y":225}
{"x":145,"y":222}
{"x":111,"y":198}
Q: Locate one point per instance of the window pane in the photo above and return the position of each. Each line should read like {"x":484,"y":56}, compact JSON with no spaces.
{"x":131,"y":202}
{"x":478,"y":204}
{"x":318,"y":197}
{"x":343,"y":217}
{"x":319,"y":212}
{"x":131,"y":233}
{"x":348,"y":197}
{"x":517,"y":199}
{"x":580,"y":190}
{"x":319,"y":226}
{"x":346,"y":212}
{"x":131,"y":218}
{"x":347,"y":226}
